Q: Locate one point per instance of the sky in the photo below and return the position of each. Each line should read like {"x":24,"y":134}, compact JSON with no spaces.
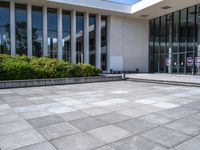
{"x":126,"y":1}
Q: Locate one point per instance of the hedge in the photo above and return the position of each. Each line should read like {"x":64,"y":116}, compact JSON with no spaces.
{"x":21,"y":67}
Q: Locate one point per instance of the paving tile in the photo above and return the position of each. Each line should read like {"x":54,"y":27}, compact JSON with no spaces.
{"x":137,"y":143}
{"x":133,"y":113}
{"x":136,"y":126}
{"x":2,"y":102}
{"x":20,"y":139}
{"x":184,"y":127}
{"x":110,"y":133}
{"x":12,"y":127}
{"x":166,"y":137}
{"x":80,"y":141}
{"x":39,"y":146}
{"x":35,"y":114}
{"x":95,"y":111}
{"x":194,"y":119}
{"x":10,"y":118}
{"x":105,"y":148}
{"x":45,"y":121}
{"x":112,"y":117}
{"x":88,"y":123}
{"x":57,"y":130}
{"x":73,"y":115}
{"x":192,"y":144}
{"x":61,"y":110}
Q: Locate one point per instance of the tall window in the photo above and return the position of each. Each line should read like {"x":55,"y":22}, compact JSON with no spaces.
{"x":79,"y":37}
{"x":37,"y":27}
{"x":92,"y":39}
{"x":104,"y":43}
{"x":52,"y":33}
{"x":66,"y":35}
{"x":21,"y":29}
{"x":4,"y":28}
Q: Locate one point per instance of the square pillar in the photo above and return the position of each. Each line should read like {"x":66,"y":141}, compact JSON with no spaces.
{"x":98,"y":40}
{"x":45,"y":33}
{"x":60,"y":35}
{"x":73,"y":36}
{"x":12,"y":27}
{"x":29,"y":30}
{"x":108,"y":43}
{"x":86,"y":38}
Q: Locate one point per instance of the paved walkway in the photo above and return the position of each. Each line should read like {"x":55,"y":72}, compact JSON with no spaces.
{"x":122,"y":115}
{"x":167,"y":77}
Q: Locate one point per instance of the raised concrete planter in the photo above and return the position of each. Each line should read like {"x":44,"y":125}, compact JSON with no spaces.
{"x":57,"y":81}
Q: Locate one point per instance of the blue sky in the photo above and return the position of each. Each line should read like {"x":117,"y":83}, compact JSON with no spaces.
{"x":126,"y":1}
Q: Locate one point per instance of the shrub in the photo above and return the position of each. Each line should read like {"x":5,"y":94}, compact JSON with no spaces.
{"x":21,"y":67}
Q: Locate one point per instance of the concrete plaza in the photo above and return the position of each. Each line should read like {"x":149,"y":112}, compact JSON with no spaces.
{"x":122,"y":115}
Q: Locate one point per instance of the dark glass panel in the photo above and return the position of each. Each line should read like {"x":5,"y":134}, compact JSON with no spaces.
{"x":21,"y":29}
{"x":79,"y":38}
{"x":104,"y":43}
{"x":198,"y":27}
{"x":157,"y":36}
{"x":175,"y":32}
{"x":163,"y":36}
{"x":92,"y":39}
{"x":66,"y":35}
{"x":183,"y":30}
{"x":4,"y":28}
{"x":37,"y":31}
{"x":52,"y":33}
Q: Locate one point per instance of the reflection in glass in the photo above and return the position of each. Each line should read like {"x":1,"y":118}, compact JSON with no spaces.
{"x":66,"y":35}
{"x":92,"y":39}
{"x":79,"y":37}
{"x":37,"y":34}
{"x":21,"y":29}
{"x":104,"y":43}
{"x":183,"y":30}
{"x":52,"y":33}
{"x":175,"y":32}
{"x":4,"y":28}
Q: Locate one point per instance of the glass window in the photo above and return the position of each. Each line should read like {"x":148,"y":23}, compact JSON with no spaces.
{"x":157,"y":36}
{"x":163,"y":36}
{"x":52,"y":33}
{"x":198,"y":27}
{"x":21,"y":29}
{"x":66,"y":35}
{"x":175,"y":32}
{"x":79,"y":37}
{"x":183,"y":30}
{"x":104,"y":43}
{"x":92,"y":39}
{"x":4,"y":28}
{"x":37,"y":34}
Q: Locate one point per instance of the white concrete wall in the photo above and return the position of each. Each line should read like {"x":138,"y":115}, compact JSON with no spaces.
{"x":129,"y":44}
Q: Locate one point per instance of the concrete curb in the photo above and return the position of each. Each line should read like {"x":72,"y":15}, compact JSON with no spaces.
{"x":56,"y":81}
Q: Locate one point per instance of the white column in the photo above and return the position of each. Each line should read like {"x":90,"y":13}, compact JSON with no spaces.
{"x":73,"y":36}
{"x":12,"y":27}
{"x":29,"y":29}
{"x":98,"y":40}
{"x":86,"y":38}
{"x":109,"y":43}
{"x":45,"y":34}
{"x":60,"y":35}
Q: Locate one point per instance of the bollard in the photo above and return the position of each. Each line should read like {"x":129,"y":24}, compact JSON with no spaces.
{"x":123,"y":76}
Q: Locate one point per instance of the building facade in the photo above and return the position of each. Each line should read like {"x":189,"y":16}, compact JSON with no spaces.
{"x":151,"y":35}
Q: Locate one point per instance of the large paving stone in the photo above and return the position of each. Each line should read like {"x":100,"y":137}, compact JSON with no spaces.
{"x":105,"y":148}
{"x":88,"y":123}
{"x":113,"y":117}
{"x":57,"y":130}
{"x":192,"y":144}
{"x":95,"y":111}
{"x":166,"y":137}
{"x":133,"y":113}
{"x":136,"y":126}
{"x":45,"y":121}
{"x":110,"y":133}
{"x":20,"y":139}
{"x":184,"y":127}
{"x":137,"y":143}
{"x":12,"y":127}
{"x":39,"y":146}
{"x":10,"y":118}
{"x":73,"y":115}
{"x":80,"y":141}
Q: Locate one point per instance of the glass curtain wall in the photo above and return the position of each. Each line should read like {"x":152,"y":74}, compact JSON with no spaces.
{"x":4,"y":28}
{"x":52,"y":33}
{"x":174,"y":42}
{"x":104,"y":43}
{"x":37,"y":31}
{"x":66,"y":35}
{"x":79,"y":37}
{"x":21,"y":29}
{"x":92,"y":39}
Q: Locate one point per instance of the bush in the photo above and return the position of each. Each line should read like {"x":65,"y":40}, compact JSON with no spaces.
{"x":21,"y":67}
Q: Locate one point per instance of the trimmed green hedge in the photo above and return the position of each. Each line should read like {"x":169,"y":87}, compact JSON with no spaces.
{"x":22,"y":67}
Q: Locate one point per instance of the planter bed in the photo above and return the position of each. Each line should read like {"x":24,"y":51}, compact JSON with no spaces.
{"x":56,"y":81}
